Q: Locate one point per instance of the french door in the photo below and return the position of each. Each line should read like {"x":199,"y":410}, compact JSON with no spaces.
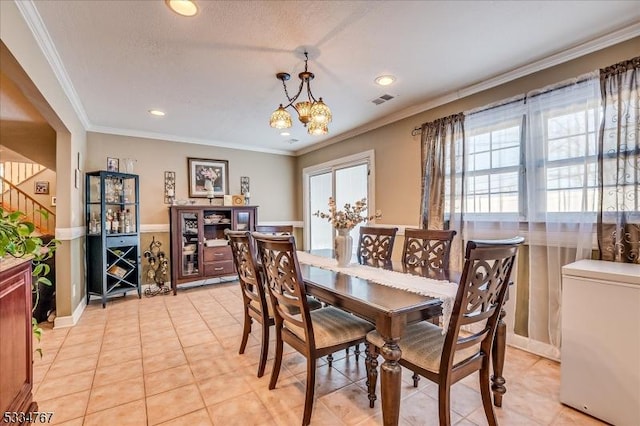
{"x":346,"y":180}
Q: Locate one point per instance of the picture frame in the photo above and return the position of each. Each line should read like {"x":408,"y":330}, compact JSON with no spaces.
{"x":113,"y":164}
{"x":200,"y":169}
{"x":41,"y":187}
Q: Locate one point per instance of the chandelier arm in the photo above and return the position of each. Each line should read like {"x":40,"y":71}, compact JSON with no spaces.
{"x":295,"y":98}
{"x":309,"y":94}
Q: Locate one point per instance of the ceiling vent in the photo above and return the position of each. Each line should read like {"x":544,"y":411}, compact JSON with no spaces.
{"x":382,"y":99}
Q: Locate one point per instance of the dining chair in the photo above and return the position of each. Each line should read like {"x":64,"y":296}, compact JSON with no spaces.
{"x":375,"y":245}
{"x":427,"y":251}
{"x":256,"y":302}
{"x":313,"y":334}
{"x":275,"y":229}
{"x":446,"y":358}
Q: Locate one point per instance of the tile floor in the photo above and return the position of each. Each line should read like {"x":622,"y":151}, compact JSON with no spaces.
{"x":174,"y":361}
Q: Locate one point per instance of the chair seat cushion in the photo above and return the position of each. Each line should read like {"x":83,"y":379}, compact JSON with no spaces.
{"x":422,"y":345}
{"x":332,"y":326}
{"x":312,"y":302}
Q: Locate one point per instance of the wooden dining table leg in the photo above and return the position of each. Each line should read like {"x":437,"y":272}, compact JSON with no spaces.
{"x":390,"y":381}
{"x":497,"y":356}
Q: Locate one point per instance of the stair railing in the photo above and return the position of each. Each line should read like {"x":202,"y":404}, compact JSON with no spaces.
{"x":13,"y":199}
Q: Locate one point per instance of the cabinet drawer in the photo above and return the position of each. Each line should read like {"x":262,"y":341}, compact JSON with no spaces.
{"x":224,"y":267}
{"x":122,"y":241}
{"x":214,"y":254}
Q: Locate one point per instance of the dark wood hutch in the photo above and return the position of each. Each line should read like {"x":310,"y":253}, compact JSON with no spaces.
{"x":199,"y":249}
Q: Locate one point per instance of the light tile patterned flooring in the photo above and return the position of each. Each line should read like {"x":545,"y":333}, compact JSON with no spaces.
{"x":174,"y":361}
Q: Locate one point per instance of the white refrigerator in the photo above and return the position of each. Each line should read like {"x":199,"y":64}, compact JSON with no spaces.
{"x":600,"y":366}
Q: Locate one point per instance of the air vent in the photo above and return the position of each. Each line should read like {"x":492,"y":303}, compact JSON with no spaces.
{"x":382,"y":99}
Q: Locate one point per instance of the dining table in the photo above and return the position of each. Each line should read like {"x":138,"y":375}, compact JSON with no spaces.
{"x":391,"y":309}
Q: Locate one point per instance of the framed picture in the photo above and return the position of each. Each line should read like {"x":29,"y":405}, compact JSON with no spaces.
{"x":113,"y":164}
{"x":41,"y":187}
{"x":202,"y":170}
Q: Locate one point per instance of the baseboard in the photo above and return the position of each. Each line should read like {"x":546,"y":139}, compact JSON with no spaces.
{"x":71,"y":320}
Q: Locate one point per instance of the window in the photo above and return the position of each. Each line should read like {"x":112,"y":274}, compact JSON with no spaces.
{"x":534,"y":159}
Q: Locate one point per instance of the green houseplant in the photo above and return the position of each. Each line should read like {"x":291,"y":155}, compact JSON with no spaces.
{"x":17,"y":239}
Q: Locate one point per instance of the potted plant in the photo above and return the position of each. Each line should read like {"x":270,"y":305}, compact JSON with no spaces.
{"x":18,"y":240}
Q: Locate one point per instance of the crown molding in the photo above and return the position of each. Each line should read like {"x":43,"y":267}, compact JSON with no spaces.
{"x":174,"y":138}
{"x":34,"y":21}
{"x":594,"y":45}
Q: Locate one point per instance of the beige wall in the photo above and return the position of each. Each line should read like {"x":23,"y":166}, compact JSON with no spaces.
{"x":271,"y":176}
{"x":397,"y":153}
{"x":35,"y":78}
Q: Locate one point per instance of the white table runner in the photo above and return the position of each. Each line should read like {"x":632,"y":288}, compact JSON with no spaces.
{"x":441,"y":289}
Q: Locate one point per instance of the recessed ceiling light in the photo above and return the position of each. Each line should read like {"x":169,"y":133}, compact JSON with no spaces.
{"x":157,"y":112}
{"x":285,"y":134}
{"x":183,"y":7}
{"x":385,"y":80}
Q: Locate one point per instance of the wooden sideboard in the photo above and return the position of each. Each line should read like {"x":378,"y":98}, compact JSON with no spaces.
{"x":199,"y":248}
{"x":16,"y":347}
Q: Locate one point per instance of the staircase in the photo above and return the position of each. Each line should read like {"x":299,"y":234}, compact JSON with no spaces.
{"x":13,"y":199}
{"x":17,"y":172}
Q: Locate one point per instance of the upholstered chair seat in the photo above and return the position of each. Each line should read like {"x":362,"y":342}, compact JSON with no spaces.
{"x":311,"y":301}
{"x":422,"y":345}
{"x":332,"y":327}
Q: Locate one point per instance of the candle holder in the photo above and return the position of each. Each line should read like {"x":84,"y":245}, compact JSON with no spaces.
{"x":169,"y":187}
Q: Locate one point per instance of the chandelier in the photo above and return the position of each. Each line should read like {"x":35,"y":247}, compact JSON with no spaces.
{"x":314,"y":114}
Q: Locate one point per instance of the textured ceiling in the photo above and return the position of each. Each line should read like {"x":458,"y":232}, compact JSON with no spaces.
{"x":214,"y":74}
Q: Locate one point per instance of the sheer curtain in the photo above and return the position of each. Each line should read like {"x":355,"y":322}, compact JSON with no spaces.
{"x":561,"y":164}
{"x":619,"y":157}
{"x":443,"y":179}
{"x":531,"y":169}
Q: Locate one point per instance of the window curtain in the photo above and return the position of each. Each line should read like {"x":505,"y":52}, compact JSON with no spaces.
{"x":619,"y":160}
{"x":560,"y":201}
{"x":530,"y":169}
{"x":443,"y":179}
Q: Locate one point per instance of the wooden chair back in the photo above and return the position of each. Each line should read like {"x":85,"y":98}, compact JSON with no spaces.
{"x":275,"y":229}
{"x":248,"y":273}
{"x":427,"y":249}
{"x":285,"y":285}
{"x":481,"y":294}
{"x":375,"y":245}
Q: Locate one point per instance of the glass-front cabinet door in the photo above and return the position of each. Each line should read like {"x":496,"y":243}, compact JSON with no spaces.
{"x":190,"y":222}
{"x":111,"y":204}
{"x":243,"y":220}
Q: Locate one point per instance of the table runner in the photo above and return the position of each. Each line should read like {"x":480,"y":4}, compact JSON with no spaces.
{"x":441,"y":289}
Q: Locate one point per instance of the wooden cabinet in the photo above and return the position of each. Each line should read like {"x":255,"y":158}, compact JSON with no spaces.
{"x":16,"y":351}
{"x":199,"y":249}
{"x":113,"y":234}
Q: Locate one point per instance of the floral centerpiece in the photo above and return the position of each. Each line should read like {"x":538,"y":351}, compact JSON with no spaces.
{"x":344,"y":221}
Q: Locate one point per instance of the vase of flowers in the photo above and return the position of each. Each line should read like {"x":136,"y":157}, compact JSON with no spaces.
{"x":343,"y":222}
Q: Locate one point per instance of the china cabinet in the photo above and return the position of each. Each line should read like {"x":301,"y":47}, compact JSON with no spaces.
{"x":113,"y":234}
{"x":199,"y":249}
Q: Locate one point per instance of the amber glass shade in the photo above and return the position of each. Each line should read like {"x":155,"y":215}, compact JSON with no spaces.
{"x":304,"y":111}
{"x":280,"y":119}
{"x":320,"y":113}
{"x":316,"y":128}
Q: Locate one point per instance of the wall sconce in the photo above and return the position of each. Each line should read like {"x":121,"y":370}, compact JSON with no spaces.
{"x":169,"y":187}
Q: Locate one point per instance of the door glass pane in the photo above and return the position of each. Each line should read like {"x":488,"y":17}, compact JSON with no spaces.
{"x":189,"y":233}
{"x":320,"y":229}
{"x":351,"y":186}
